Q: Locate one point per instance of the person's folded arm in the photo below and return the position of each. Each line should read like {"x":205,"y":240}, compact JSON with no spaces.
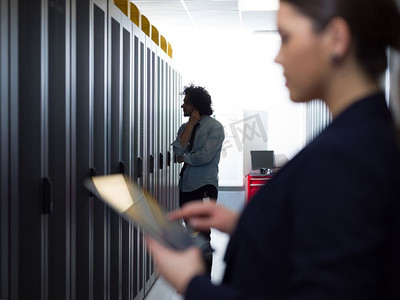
{"x":206,"y":153}
{"x":177,"y":145}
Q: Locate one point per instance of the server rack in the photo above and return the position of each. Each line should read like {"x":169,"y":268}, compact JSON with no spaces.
{"x":79,"y":85}
{"x":83,"y":204}
{"x":149,"y":163}
{"x":137,"y":151}
{"x":126,"y":154}
{"x":4,"y":148}
{"x":56,"y":153}
{"x":161,"y":135}
{"x":32,"y":219}
{"x":101,"y":283}
{"x":170,"y":126}
{"x":142,"y":161}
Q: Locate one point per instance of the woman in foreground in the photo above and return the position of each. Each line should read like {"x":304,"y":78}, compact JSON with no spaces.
{"x":327,"y":226}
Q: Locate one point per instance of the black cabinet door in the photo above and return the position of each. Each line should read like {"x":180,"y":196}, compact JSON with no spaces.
{"x":57,"y":148}
{"x":115,"y":144}
{"x":29,"y":263}
{"x":99,"y":148}
{"x":129,"y":263}
{"x":82,"y":207}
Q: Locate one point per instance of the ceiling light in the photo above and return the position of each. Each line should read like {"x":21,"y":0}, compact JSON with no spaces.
{"x":258,"y":5}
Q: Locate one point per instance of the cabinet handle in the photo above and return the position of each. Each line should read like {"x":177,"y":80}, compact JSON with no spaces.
{"x":121,"y":167}
{"x":92,"y":172}
{"x":151,"y":164}
{"x":47,"y":190}
{"x":139,"y":167}
{"x":161,"y":161}
{"x":168,"y":158}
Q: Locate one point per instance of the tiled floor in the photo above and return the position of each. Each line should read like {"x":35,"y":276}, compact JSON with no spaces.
{"x":161,"y":290}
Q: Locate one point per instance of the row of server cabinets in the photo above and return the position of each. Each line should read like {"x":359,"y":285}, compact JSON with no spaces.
{"x":84,"y":92}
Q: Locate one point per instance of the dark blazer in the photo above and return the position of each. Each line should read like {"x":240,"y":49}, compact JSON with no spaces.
{"x":327,"y":226}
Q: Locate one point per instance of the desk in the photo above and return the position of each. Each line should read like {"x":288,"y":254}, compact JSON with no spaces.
{"x":254,"y":183}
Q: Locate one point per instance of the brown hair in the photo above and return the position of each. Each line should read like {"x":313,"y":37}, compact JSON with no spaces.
{"x":374,"y":25}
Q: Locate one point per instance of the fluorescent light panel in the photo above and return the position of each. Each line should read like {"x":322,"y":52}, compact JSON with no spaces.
{"x":188,"y":12}
{"x":258,"y":5}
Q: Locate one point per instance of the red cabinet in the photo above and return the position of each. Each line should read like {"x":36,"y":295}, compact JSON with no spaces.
{"x":254,"y":183}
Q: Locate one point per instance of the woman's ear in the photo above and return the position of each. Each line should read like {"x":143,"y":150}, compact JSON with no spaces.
{"x":339,"y":35}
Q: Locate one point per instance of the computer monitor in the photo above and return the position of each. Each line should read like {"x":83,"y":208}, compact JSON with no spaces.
{"x":262,"y":160}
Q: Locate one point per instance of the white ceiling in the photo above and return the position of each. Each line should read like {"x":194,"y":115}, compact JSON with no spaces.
{"x":179,"y":17}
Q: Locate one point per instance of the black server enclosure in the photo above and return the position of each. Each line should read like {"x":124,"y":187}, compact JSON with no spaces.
{"x":84,"y":92}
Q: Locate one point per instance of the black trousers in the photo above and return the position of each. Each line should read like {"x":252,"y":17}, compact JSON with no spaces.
{"x":204,"y":192}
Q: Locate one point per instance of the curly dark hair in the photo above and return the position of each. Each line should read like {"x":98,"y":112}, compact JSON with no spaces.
{"x":199,"y":98}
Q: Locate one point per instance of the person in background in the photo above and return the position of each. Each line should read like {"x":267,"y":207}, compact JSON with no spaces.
{"x":198,"y":145}
{"x":327,"y":225}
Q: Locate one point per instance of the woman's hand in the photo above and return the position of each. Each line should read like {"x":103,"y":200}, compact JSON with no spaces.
{"x":177,"y":267}
{"x":205,"y":215}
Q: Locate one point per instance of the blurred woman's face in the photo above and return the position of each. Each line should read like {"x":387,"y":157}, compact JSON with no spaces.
{"x":304,"y":55}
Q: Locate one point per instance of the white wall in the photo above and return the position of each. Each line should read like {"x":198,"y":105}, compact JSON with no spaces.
{"x":240,"y":74}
